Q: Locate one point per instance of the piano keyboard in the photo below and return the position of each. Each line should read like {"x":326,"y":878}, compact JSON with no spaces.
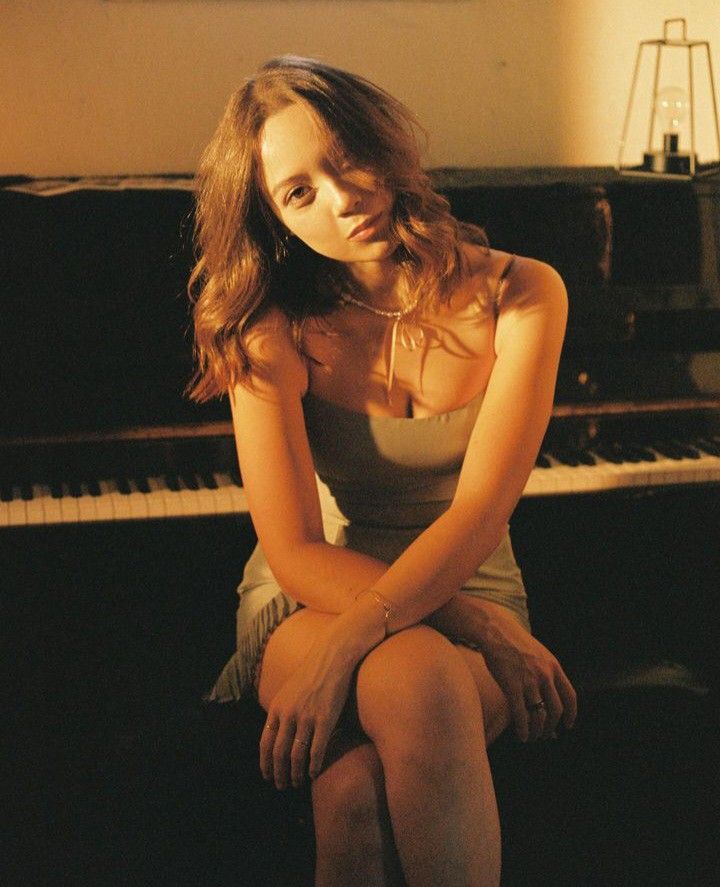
{"x":215,"y":493}
{"x":122,"y":500}
{"x":606,"y":471}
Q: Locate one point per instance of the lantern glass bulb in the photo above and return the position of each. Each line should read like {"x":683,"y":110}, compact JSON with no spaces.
{"x":672,"y":107}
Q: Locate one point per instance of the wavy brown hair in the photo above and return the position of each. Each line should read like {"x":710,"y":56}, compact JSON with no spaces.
{"x":243,"y":264}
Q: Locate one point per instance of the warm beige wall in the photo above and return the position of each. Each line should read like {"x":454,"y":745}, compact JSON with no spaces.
{"x":136,"y":86}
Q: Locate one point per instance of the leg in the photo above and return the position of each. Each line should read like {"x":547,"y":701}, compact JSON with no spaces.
{"x":419,"y":702}
{"x":352,"y":825}
{"x":353,"y":834}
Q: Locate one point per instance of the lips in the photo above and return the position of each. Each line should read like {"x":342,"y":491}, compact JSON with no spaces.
{"x":364,"y":226}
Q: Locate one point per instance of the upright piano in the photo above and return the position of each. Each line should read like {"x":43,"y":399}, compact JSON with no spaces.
{"x":95,"y":430}
{"x":123,"y":524}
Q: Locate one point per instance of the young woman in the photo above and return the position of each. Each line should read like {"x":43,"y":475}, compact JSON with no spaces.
{"x":391,"y":379}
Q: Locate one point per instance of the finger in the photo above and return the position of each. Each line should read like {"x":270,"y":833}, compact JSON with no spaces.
{"x":281,"y":753}
{"x":537,"y":712}
{"x":516,"y":701}
{"x":299,"y":754}
{"x":569,"y":699}
{"x":553,"y":707}
{"x":321,"y":738}
{"x":536,"y":723}
{"x":267,"y":742}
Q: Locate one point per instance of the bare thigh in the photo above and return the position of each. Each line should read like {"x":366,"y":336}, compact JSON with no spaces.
{"x":292,"y":639}
{"x":286,"y":648}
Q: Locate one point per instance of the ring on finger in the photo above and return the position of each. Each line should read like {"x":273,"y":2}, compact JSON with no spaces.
{"x":535,"y":706}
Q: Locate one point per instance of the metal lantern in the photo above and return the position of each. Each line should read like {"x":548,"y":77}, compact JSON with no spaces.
{"x":671,"y":150}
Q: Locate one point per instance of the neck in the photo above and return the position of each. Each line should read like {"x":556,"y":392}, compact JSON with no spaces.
{"x":377,"y":283}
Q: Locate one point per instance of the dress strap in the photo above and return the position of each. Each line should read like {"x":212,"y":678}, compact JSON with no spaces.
{"x":502,"y":279}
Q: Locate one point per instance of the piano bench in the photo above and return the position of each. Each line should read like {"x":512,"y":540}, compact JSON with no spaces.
{"x":631,"y":795}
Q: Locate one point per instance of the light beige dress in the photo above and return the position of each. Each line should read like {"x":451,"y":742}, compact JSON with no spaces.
{"x":382,"y":480}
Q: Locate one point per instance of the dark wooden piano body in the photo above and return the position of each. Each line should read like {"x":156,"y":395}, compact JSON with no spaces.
{"x":123,"y":529}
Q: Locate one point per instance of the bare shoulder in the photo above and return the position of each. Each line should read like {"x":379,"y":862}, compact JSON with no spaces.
{"x":276,"y":362}
{"x":532,"y":305}
{"x":530,"y":283}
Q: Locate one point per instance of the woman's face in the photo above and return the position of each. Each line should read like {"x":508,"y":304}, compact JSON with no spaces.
{"x":340,"y":213}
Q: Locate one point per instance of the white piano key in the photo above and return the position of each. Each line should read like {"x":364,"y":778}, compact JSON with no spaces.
{"x":17,"y":515}
{"x":34,"y":508}
{"x":87,"y":506}
{"x":172,"y":502}
{"x":119,"y":507}
{"x":206,"y":500}
{"x":156,"y":501}
{"x":137,"y":502}
{"x":187,"y":501}
{"x":222,"y":496}
{"x":105,"y":504}
{"x":52,"y":511}
{"x":69,"y":511}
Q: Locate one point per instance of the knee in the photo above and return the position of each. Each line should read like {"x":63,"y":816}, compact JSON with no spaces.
{"x":349,"y":793}
{"x":416,"y":684}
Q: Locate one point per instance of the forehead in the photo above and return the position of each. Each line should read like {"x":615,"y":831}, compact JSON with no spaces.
{"x":290,"y":141}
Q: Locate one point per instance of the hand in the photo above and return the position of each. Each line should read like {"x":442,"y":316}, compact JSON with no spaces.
{"x":304,"y":713}
{"x":538,"y":691}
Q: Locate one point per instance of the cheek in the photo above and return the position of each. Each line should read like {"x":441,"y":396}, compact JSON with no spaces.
{"x":310,"y":230}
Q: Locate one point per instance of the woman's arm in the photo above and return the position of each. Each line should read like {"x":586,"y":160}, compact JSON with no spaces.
{"x":279,"y":478}
{"x":500,"y":455}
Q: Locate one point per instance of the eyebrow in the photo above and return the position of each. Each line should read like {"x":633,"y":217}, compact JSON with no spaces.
{"x":289,"y":180}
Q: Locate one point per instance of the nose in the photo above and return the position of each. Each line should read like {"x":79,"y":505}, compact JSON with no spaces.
{"x":346,"y":196}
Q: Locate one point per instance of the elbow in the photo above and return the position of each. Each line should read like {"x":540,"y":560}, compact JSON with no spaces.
{"x":286,"y":567}
{"x":487,"y":527}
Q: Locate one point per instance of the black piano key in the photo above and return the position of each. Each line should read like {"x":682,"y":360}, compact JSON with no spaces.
{"x":669,"y":450}
{"x":707,"y":446}
{"x":94,"y":487}
{"x":629,"y":453}
{"x":75,"y":488}
{"x":141,"y":482}
{"x":190,"y":481}
{"x":123,"y":485}
{"x":26,"y":492}
{"x":586,"y":457}
{"x":645,"y":455}
{"x":610,"y":451}
{"x":56,"y":489}
{"x":688,"y":451}
{"x":172,"y":482}
{"x":567,"y":457}
{"x":542,"y":461}
{"x":237,"y":480}
{"x":6,"y":493}
{"x":208,"y":480}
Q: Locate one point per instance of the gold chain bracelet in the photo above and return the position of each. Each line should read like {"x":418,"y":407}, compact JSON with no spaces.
{"x":384,"y":603}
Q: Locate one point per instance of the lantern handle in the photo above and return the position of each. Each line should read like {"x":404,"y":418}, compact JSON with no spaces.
{"x":672,"y":21}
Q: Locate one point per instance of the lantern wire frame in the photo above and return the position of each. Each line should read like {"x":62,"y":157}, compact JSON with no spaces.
{"x":704,"y":169}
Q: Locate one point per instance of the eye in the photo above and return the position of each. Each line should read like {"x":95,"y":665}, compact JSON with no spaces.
{"x":297,"y":195}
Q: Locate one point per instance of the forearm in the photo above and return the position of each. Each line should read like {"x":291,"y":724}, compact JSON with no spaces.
{"x":426,"y":577}
{"x":433,"y":569}
{"x":328,"y":577}
{"x":468,"y":618}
